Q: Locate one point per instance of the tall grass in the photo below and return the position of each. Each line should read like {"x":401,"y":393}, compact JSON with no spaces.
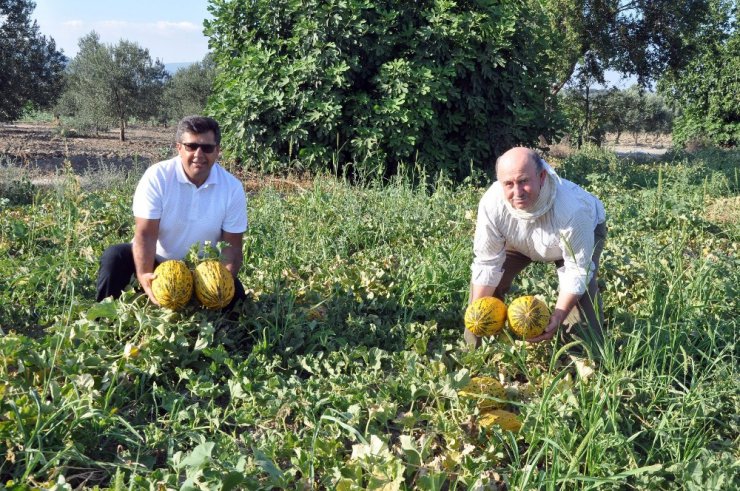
{"x":343,"y":368}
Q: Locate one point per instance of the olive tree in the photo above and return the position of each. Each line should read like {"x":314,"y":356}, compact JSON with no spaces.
{"x":593,"y":113}
{"x":108,"y":85}
{"x":188,"y":90}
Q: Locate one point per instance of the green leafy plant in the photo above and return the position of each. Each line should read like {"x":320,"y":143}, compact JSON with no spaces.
{"x":367,"y":89}
{"x":343,"y":370}
{"x":706,"y":91}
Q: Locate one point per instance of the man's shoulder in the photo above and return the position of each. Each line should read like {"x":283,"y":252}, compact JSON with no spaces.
{"x":166,"y":169}
{"x":227,"y":177}
{"x":574,"y":201}
{"x":221,"y":170}
{"x":493,"y":196}
{"x":568,"y":190}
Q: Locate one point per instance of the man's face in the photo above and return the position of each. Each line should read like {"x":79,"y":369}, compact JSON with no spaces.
{"x":520,"y":180}
{"x":196,"y":162}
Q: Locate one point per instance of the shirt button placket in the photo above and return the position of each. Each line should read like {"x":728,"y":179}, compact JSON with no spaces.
{"x":194,"y":202}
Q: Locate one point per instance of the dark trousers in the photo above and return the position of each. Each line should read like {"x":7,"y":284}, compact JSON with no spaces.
{"x":117,"y":268}
{"x":590,"y":306}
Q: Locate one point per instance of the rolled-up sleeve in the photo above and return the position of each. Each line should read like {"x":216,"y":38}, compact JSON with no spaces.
{"x":489,"y":250}
{"x":577,"y":244}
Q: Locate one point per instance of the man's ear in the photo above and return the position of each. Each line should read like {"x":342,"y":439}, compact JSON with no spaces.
{"x":543,"y":175}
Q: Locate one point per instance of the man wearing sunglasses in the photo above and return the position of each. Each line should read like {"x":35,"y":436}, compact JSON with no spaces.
{"x":186,"y":200}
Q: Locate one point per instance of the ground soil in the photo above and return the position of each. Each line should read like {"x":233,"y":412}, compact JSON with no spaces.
{"x":42,"y":152}
{"x":40,"y":148}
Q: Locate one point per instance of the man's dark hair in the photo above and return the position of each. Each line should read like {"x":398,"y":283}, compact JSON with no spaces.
{"x":197,"y":125}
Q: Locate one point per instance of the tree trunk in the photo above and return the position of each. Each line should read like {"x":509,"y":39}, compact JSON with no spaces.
{"x":123,"y":130}
{"x":588,"y":113}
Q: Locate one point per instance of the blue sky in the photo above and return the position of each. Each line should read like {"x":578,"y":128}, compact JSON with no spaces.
{"x":171,"y":30}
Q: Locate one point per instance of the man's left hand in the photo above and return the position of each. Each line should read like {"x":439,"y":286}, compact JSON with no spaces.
{"x":550,"y":329}
{"x":549,"y":332}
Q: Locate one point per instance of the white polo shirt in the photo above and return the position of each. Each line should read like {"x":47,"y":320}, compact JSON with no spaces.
{"x":188,"y":214}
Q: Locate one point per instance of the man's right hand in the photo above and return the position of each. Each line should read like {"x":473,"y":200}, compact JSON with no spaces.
{"x":146,"y":283}
{"x":144,"y":247}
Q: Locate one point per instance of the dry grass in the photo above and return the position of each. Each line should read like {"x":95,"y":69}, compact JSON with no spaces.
{"x":647,"y":143}
{"x":723,"y":211}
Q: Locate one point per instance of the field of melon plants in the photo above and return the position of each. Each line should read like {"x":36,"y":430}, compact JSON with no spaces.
{"x":344,"y":368}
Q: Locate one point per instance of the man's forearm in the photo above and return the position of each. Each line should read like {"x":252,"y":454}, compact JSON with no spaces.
{"x":480,"y":291}
{"x":144,"y":251}
{"x":232,"y":258}
{"x":563,"y":306}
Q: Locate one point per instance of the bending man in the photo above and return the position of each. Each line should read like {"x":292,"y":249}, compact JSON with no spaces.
{"x":531,"y":214}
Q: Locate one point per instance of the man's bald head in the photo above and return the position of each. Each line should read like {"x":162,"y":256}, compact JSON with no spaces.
{"x":520,"y":155}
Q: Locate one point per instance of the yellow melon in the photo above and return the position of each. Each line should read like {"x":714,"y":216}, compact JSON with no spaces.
{"x":482,"y":389}
{"x":485,"y":316}
{"x":505,"y":419}
{"x":173,"y":284}
{"x":214,"y":284}
{"x":528,"y":316}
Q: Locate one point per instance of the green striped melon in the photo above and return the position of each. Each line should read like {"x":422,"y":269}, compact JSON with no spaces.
{"x":485,"y":316}
{"x":172,"y":285}
{"x":214,"y":284}
{"x":528,"y":316}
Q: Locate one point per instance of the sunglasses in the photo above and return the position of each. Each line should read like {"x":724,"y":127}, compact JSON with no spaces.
{"x":206,"y":147}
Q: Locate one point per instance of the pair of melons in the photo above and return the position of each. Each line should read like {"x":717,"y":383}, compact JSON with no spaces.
{"x":527,"y":316}
{"x":174,"y":284}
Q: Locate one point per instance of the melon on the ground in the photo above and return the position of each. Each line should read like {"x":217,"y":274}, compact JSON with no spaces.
{"x":172,"y":285}
{"x":482,"y":389}
{"x":485,"y":316}
{"x":505,"y":419}
{"x":214,"y":284}
{"x":528,"y":316}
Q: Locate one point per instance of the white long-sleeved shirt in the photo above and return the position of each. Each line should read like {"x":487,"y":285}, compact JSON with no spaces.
{"x":565,"y":231}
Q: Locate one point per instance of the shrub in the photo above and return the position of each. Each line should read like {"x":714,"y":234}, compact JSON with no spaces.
{"x":16,"y":187}
{"x":707,"y":94}
{"x":589,"y":160}
{"x":359,"y":87}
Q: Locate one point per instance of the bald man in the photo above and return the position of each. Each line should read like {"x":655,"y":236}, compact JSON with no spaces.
{"x":531,"y":214}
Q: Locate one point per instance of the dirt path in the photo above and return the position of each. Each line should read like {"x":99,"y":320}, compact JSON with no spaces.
{"x":39,"y":148}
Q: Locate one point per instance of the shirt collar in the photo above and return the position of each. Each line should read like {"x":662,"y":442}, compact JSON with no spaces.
{"x":213,"y":176}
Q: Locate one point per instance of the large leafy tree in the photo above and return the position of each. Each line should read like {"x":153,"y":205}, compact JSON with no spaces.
{"x":707,"y":91}
{"x":363,"y":85}
{"x":30,"y":66}
{"x":643,"y":38}
{"x":109,"y":84}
